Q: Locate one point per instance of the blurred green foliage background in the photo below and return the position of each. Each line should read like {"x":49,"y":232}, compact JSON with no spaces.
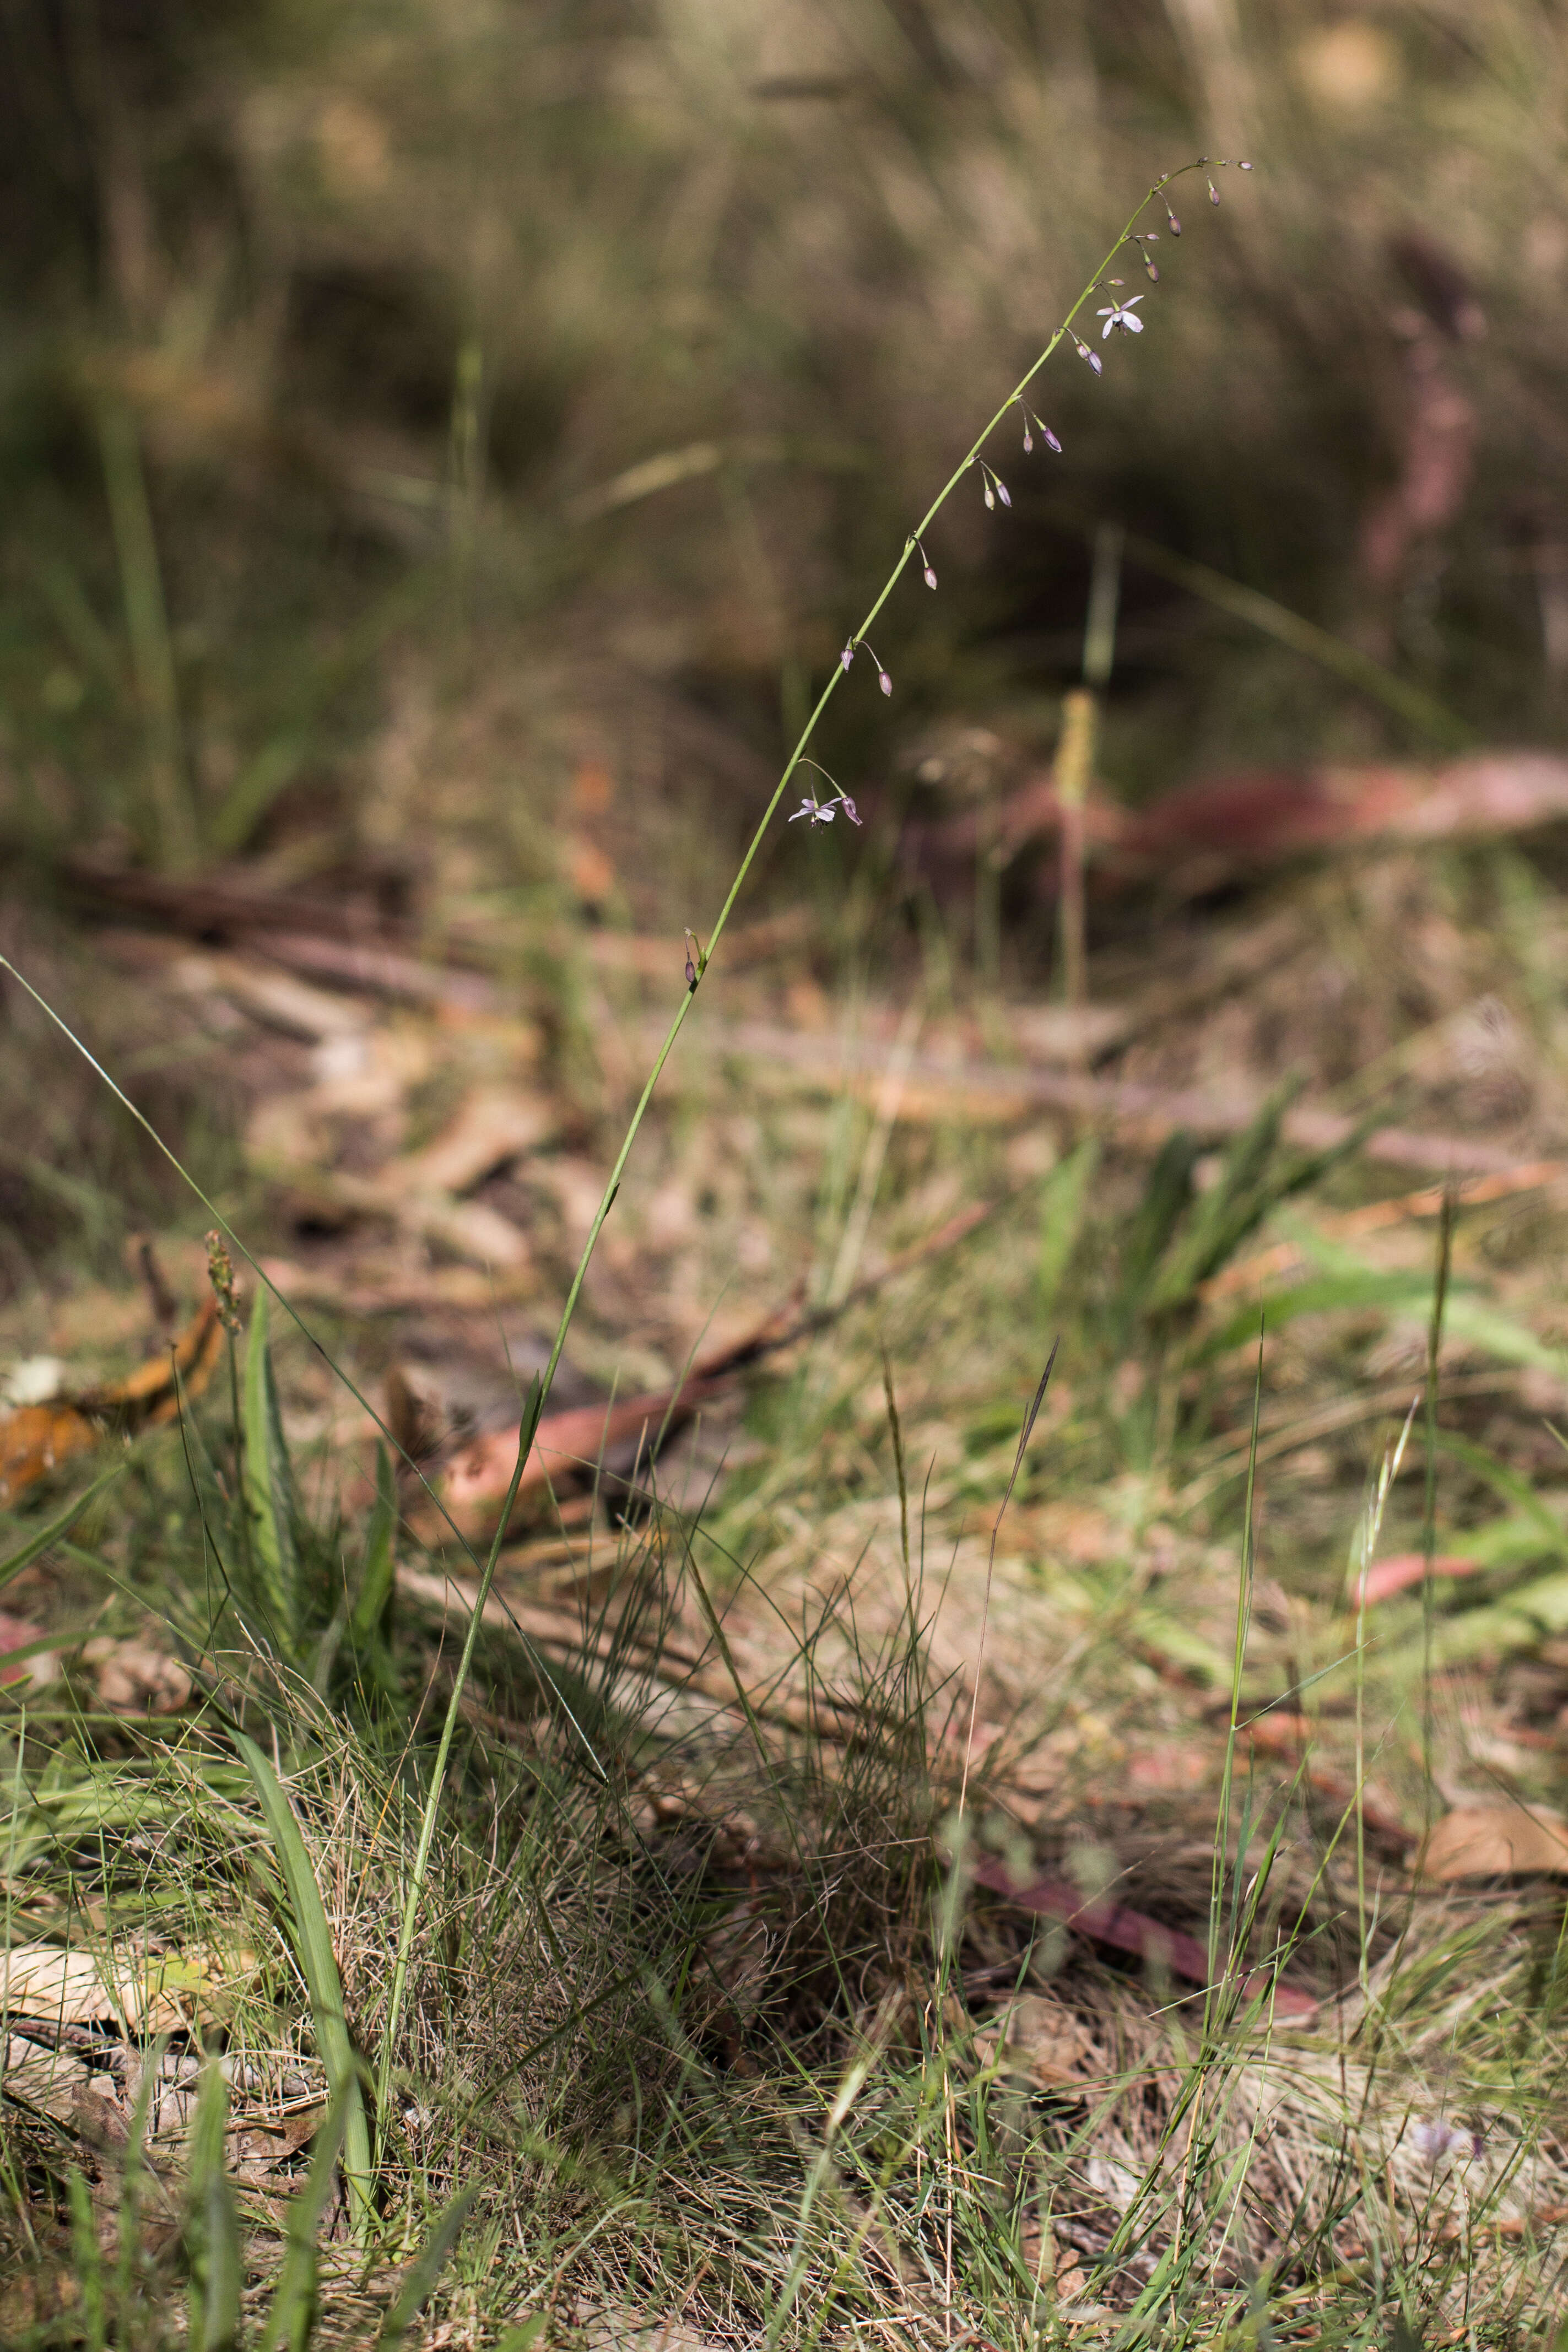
{"x":404,"y":403}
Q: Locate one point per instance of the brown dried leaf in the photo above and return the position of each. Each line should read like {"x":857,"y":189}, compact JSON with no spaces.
{"x":162,"y":1992}
{"x":493,"y":1125}
{"x":1494,"y":1842}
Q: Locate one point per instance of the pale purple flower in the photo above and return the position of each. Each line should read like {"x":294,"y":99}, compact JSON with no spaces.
{"x":1093,"y":358}
{"x":1434,"y":2137}
{"x":819,"y":811}
{"x":1119,"y":314}
{"x":848,"y":805}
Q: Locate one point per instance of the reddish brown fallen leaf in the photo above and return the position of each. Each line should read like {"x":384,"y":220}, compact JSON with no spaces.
{"x":1403,"y":1568}
{"x":38,"y":1438}
{"x":1127,"y":1931}
{"x":568,"y":1443}
{"x":1194,"y":838}
{"x":1494,"y":1842}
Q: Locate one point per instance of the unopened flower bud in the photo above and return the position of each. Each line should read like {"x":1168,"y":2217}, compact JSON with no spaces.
{"x":1149,"y":269}
{"x":1028,"y":442}
{"x":848,"y":805}
{"x":929,"y":577}
{"x":1213,"y":194}
{"x":1002,"y":491}
{"x":1051,"y":442}
{"x":884,"y":681}
{"x":1175,"y":223}
{"x":1244,"y":167}
{"x":989,"y":499}
{"x":847,"y":656}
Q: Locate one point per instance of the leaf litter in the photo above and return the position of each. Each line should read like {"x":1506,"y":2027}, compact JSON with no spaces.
{"x":380,"y":1126}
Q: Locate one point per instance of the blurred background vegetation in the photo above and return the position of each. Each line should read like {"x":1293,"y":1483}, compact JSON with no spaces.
{"x":410,"y":408}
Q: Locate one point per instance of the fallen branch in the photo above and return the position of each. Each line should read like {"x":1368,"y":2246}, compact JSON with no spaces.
{"x":1148,"y":1114}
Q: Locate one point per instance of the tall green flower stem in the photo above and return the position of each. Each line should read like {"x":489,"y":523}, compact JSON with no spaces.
{"x":539,"y":1391}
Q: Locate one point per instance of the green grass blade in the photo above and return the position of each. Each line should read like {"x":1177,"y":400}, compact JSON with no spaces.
{"x":292,"y":2313}
{"x":269,"y":1488}
{"x":425,"y":2273}
{"x":212,"y":2229}
{"x":313,"y":1943}
{"x":88,"y":2256}
{"x":1064,"y":1198}
{"x":29,"y":1552}
{"x":132,"y":2170}
{"x":369,"y":1623}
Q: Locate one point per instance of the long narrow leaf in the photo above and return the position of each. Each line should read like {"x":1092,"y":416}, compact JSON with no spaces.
{"x":270,"y":1490}
{"x":313,"y":1943}
{"x":425,"y":2273}
{"x":292,"y":2313}
{"x":212,"y":2229}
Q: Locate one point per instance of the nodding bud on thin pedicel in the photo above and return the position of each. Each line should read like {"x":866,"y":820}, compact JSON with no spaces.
{"x":1002,"y":491}
{"x":1175,"y":223}
{"x":883,"y":680}
{"x":1244,"y":167}
{"x":928,"y":575}
{"x":848,"y":805}
{"x":1213,"y":194}
{"x":1092,"y":357}
{"x":990,"y":497}
{"x":847,"y":656}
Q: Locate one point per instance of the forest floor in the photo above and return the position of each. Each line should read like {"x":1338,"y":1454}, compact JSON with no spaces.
{"x":895,"y":1885}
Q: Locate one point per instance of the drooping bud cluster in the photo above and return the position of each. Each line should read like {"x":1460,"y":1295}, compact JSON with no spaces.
{"x":995,"y":488}
{"x":1044,"y":430}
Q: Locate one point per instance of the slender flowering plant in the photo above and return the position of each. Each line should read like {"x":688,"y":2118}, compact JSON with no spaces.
{"x":819,"y":812}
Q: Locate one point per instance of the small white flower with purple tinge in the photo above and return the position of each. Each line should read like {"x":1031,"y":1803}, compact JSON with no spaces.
{"x":1434,"y":2138}
{"x":819,"y":811}
{"x":1119,"y":314}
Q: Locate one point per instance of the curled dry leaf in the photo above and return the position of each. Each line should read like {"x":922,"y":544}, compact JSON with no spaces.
{"x":1494,"y":1842}
{"x":37,"y":1439}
